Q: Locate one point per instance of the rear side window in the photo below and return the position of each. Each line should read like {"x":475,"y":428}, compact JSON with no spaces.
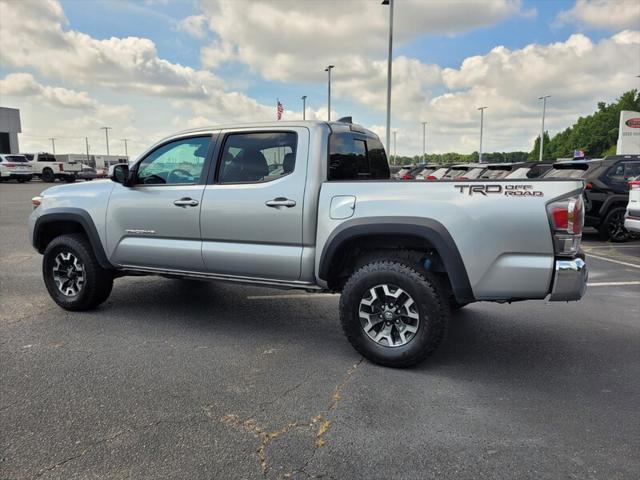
{"x":356,"y":158}
{"x":631,"y":171}
{"x":16,"y":158}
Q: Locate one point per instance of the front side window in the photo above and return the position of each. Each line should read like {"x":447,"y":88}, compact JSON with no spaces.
{"x":257,"y":157}
{"x":631,"y":170}
{"x":45,"y":157}
{"x":176,"y":163}
{"x":352,"y":158}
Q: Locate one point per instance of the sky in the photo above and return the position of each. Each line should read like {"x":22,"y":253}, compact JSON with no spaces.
{"x":149,"y":68}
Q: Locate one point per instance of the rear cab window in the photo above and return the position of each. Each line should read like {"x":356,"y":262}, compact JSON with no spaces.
{"x":354,"y":156}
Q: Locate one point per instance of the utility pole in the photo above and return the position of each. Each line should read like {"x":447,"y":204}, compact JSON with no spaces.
{"x":106,"y":136}
{"x":389,"y":61}
{"x":424,"y":142}
{"x":304,"y":107}
{"x":481,"y":128}
{"x":53,"y":144}
{"x":126,"y":152}
{"x":544,"y":109}
{"x":328,"y":70}
{"x":395,"y":144}
{"x":86,"y":142}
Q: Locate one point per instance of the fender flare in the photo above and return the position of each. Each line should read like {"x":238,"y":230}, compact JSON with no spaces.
{"x":432,"y":231}
{"x":607,"y":205}
{"x":72,"y":215}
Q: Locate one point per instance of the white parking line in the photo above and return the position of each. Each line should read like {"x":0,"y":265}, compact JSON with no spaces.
{"x":612,"y":284}
{"x":613,"y":261}
{"x":300,"y":295}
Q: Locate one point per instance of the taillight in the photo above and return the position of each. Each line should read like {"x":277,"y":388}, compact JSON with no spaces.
{"x":407,"y":177}
{"x":10,"y":165}
{"x":431,"y":177}
{"x":588,"y":186}
{"x":36,"y":201}
{"x":61,"y":165}
{"x":635,"y":185}
{"x":567,"y":219}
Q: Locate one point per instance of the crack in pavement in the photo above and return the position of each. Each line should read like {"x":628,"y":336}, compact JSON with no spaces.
{"x":319,"y":424}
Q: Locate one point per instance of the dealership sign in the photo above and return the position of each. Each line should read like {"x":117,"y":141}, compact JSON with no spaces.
{"x":633,"y":122}
{"x":629,"y":133}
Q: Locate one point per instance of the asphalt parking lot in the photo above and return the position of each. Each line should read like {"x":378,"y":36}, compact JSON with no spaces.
{"x":173,"y":379}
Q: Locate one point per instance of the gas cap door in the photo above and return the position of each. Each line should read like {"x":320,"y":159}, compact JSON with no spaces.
{"x":342,"y":206}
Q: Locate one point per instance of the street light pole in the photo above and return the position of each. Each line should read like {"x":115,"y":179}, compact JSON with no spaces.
{"x":106,"y":136}
{"x":126,"y":152}
{"x":395,"y":144}
{"x":53,"y":144}
{"x":544,"y":109}
{"x":389,"y":59}
{"x":481,"y":129}
{"x":328,"y":70}
{"x":424,"y":142}
{"x":86,"y":142}
{"x":304,"y":107}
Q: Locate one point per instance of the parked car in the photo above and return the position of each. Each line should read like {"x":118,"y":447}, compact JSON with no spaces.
{"x":606,"y":191}
{"x":15,"y":167}
{"x":48,"y":168}
{"x":529,"y":170}
{"x":425,"y":171}
{"x":632,"y":217}
{"x":495,"y":171}
{"x":399,"y":254}
{"x":87,"y":173}
{"x":464,"y":171}
{"x":411,"y":174}
{"x":437,"y":174}
{"x":402,"y":171}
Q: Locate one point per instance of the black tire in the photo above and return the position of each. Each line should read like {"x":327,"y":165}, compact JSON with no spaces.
{"x":97,"y":283}
{"x":48,"y":176}
{"x":613,"y":226}
{"x":431,"y":305}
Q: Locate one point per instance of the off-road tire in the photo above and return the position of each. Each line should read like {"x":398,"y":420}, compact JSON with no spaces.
{"x":613,"y":226}
{"x":431,"y":303}
{"x":98,"y":281}
{"x":48,"y":175}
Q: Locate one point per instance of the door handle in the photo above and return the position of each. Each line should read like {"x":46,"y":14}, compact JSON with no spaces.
{"x":186,"y":202}
{"x":280,"y":202}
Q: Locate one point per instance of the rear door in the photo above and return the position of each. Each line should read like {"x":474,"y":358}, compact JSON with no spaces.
{"x":155,"y":222}
{"x":252,"y":207}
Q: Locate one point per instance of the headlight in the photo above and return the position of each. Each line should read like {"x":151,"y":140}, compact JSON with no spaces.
{"x":36,"y":201}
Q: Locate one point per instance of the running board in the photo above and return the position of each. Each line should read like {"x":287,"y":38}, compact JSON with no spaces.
{"x":225,"y":278}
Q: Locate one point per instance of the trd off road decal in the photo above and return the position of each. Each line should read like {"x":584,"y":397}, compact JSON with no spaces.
{"x":514,"y":190}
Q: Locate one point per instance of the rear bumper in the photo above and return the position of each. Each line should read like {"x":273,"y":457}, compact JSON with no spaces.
{"x":632,"y":224}
{"x":569,"y":280}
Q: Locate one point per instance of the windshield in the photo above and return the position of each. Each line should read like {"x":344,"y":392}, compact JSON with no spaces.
{"x":426,"y":171}
{"x":519,"y":173}
{"x":495,"y":173}
{"x":565,"y":173}
{"x":456,"y":172}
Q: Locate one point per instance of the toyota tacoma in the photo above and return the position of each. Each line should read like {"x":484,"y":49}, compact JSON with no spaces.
{"x":310,"y":205}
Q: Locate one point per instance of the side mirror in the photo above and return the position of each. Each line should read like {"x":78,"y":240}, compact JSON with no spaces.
{"x":119,"y":173}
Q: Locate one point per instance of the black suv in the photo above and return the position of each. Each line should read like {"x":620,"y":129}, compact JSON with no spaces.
{"x":606,"y":191}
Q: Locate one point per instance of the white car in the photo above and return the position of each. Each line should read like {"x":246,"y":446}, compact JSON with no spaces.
{"x":15,"y":167}
{"x":632,"y":217}
{"x":49,"y":168}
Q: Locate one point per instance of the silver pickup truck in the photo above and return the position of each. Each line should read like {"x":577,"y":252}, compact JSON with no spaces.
{"x":310,"y":205}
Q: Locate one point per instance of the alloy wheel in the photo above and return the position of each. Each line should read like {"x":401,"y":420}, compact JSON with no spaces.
{"x":68,"y":274}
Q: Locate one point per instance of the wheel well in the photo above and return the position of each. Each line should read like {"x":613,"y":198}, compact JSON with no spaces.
{"x":359,"y":250}
{"x":51,"y":230}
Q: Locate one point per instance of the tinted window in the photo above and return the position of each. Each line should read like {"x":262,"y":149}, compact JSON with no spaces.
{"x":352,"y":158}
{"x":45,"y":157}
{"x":257,"y":157}
{"x":565,"y":173}
{"x":16,"y":158}
{"x":631,"y":171}
{"x":175,"y":163}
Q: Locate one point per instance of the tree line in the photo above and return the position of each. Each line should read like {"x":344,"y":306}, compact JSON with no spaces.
{"x":596,"y":135}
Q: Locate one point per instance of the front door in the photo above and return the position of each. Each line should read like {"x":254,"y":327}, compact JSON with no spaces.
{"x":155,"y":222}
{"x":251,"y":216}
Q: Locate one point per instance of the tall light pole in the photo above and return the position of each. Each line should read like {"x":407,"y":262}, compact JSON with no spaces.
{"x":424,"y":142}
{"x":106,"y":136}
{"x":395,"y":144}
{"x":304,"y":107}
{"x":328,"y":70}
{"x":389,"y":58}
{"x":544,"y":109}
{"x":53,"y":144}
{"x":481,"y":128}
{"x":86,"y":143}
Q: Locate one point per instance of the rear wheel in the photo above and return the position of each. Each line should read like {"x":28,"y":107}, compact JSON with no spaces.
{"x":48,"y":176}
{"x":73,"y":277}
{"x":613,"y":226}
{"x":392,"y":313}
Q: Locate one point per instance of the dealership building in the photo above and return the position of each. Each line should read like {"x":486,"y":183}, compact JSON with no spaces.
{"x":9,"y":130}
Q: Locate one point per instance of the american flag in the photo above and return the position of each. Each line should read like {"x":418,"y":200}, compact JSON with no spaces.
{"x":578,"y":154}
{"x":280,"y":110}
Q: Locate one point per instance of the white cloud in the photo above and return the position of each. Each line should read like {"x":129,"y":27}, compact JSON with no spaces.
{"x":608,"y":14}
{"x":23,"y":84}
{"x":290,"y":40}
{"x":194,"y":25}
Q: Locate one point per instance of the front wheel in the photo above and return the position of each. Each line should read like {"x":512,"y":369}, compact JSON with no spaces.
{"x":73,"y":277}
{"x":48,"y":175}
{"x":392,"y":313}
{"x":613,"y":226}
